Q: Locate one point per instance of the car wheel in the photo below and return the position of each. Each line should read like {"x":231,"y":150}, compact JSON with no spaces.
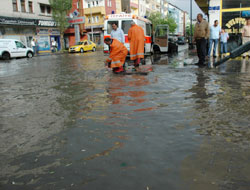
{"x":29,"y":54}
{"x":6,"y":56}
{"x":93,"y":49}
{"x":81,"y":50}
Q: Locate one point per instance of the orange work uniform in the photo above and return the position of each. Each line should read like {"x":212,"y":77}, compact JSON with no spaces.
{"x":136,"y":39}
{"x":117,"y":56}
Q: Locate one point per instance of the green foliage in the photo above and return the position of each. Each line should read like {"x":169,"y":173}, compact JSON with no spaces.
{"x":188,"y":30}
{"x":156,"y":19}
{"x":60,"y":9}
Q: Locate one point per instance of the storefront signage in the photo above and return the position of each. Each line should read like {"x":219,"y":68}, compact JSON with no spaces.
{"x":235,"y":21}
{"x":77,"y":20}
{"x":47,"y":31}
{"x":17,"y":21}
{"x":214,"y":8}
{"x":46,"y":23}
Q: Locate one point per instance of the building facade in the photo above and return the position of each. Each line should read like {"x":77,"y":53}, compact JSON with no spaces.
{"x":28,"y":19}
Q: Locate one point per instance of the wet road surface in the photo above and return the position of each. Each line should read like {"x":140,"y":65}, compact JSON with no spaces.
{"x":68,"y":123}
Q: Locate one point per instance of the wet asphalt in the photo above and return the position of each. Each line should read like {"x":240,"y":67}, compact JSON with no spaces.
{"x":68,"y":123}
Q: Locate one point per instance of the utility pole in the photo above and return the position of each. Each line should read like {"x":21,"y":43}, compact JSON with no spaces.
{"x":91,"y":20}
{"x":191,"y":25}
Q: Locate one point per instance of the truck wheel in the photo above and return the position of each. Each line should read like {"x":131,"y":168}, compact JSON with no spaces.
{"x":29,"y":54}
{"x":6,"y":56}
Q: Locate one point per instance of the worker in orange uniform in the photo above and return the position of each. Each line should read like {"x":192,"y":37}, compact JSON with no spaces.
{"x":117,"y":56}
{"x":136,"y":39}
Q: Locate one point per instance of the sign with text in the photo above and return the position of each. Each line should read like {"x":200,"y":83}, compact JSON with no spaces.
{"x":77,"y":20}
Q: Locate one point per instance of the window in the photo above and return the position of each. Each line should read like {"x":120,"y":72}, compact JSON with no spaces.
{"x":88,"y":5}
{"x":109,"y":29}
{"x":109,"y":3}
{"x":148,"y":29}
{"x":23,"y":6}
{"x":227,"y":4}
{"x":30,"y":7}
{"x":126,"y":26}
{"x":93,"y":19}
{"x":48,"y":9}
{"x":97,"y":19}
{"x":89,"y":21}
{"x":93,"y":3}
{"x":42,"y":8}
{"x":14,"y":3}
{"x":96,"y":3}
{"x":19,"y":45}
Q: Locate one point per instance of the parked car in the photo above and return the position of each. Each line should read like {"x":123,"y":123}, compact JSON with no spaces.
{"x":181,"y":40}
{"x":10,"y":48}
{"x":83,"y":46}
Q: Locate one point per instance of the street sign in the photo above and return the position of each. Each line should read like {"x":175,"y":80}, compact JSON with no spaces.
{"x":77,"y":20}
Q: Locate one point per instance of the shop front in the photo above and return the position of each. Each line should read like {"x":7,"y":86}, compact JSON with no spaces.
{"x":18,"y":28}
{"x":46,"y":32}
{"x":231,"y":15}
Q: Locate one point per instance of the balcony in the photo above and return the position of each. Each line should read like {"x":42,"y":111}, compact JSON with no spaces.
{"x":95,"y":10}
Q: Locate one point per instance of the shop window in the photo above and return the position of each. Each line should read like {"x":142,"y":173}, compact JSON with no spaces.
{"x":14,"y":3}
{"x":23,"y":6}
{"x":42,"y":8}
{"x":126,"y":26}
{"x":30,"y":7}
{"x":48,"y":9}
{"x":228,"y":4}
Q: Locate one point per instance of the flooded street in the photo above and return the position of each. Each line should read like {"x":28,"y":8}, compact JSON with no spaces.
{"x":68,"y":123}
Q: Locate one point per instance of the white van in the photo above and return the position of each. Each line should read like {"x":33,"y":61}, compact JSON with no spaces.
{"x":13,"y":48}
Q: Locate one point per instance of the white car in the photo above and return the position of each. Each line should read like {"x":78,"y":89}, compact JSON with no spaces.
{"x":10,"y":48}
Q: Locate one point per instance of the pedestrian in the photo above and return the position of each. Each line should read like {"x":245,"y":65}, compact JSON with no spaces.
{"x":201,"y":34}
{"x":117,"y":33}
{"x":223,"y":42}
{"x":215,"y":31}
{"x":246,"y":35}
{"x":54,"y":45}
{"x":117,"y":56}
{"x":37,"y":46}
{"x":33,"y":44}
{"x":136,"y":39}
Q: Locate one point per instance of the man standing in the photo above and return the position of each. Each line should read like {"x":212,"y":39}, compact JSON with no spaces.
{"x":136,"y":39}
{"x":117,"y":33}
{"x":117,"y":56}
{"x":201,"y":34}
{"x":246,"y":35}
{"x":33,"y":44}
{"x":214,"y":38}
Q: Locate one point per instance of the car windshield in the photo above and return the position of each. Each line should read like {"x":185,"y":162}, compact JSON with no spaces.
{"x":79,"y":43}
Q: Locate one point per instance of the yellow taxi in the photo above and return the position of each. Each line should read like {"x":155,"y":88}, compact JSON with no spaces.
{"x":83,"y":46}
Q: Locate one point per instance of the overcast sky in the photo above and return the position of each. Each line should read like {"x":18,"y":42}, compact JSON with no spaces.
{"x":185,"y":5}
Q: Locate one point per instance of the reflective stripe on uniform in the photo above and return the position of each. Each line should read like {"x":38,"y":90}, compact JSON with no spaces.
{"x":114,"y":62}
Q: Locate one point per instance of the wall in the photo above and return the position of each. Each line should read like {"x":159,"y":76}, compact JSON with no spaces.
{"x":6,"y":9}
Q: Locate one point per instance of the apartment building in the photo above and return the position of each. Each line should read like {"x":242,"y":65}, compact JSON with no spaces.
{"x":28,"y":19}
{"x":95,"y":12}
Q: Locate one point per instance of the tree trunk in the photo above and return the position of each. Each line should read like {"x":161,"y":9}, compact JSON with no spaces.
{"x":62,"y":41}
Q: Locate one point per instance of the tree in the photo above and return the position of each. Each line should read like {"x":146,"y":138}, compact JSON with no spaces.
{"x":188,"y":30}
{"x":156,"y":19}
{"x":60,"y":9}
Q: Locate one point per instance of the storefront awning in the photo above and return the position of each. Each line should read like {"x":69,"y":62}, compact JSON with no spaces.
{"x":203,"y":4}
